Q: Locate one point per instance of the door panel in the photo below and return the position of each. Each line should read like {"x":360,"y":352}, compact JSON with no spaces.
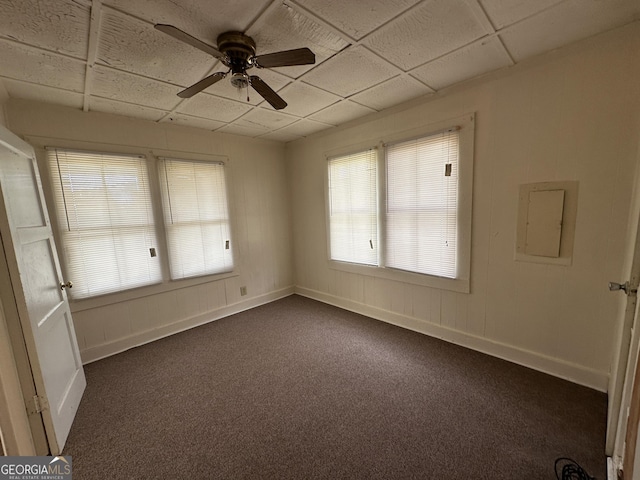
{"x":35,"y":277}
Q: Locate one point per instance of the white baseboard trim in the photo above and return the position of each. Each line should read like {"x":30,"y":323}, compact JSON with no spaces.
{"x":117,"y":346}
{"x":553,"y":366}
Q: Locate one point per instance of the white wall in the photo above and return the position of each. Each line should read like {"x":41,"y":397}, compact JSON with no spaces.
{"x":260,"y":208}
{"x":570,"y":115}
{"x":4,"y":98}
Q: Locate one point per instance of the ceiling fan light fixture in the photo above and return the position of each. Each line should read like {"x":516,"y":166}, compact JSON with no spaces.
{"x":240,"y":80}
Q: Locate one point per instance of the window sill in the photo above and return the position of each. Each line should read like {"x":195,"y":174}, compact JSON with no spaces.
{"x":460,"y":285}
{"x":148,"y":290}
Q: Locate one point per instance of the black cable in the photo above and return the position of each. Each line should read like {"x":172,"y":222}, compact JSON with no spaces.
{"x":570,"y":470}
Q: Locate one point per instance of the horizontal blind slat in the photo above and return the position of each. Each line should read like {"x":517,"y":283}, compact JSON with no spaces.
{"x":103,"y":207}
{"x":422,"y":205}
{"x":353,"y":217}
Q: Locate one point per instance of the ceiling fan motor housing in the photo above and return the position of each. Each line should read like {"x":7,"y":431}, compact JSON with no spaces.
{"x":239,"y":49}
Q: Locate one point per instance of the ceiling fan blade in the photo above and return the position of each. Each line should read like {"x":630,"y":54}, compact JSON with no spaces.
{"x":299,"y":56}
{"x":186,"y":38}
{"x":267,"y":93}
{"x":202,"y":84}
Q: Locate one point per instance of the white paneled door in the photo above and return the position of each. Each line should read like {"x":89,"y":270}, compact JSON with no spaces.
{"x":39,"y":293}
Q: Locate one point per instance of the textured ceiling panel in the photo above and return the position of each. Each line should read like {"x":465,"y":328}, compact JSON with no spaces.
{"x":197,"y":122}
{"x":304,"y":99}
{"x":357,"y":19}
{"x":304,"y":127}
{"x":481,"y":57}
{"x":341,"y":112}
{"x":61,"y":25}
{"x":214,"y":108}
{"x":35,"y":66}
{"x":246,"y":130}
{"x":283,"y":28}
{"x":202,"y":19}
{"x":426,"y":32}
{"x":127,"y":109}
{"x":280,"y":136}
{"x":266,"y":118}
{"x":364,"y":70}
{"x":399,"y":49}
{"x":507,"y":12}
{"x":391,"y":92}
{"x":565,"y":23}
{"x":129,"y":44}
{"x":40,"y":93}
{"x":116,"y":85}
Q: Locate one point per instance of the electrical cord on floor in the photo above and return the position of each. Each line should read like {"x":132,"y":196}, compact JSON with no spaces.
{"x":570,"y":470}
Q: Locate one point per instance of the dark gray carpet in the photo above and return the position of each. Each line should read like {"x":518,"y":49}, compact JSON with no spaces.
{"x":299,"y":389}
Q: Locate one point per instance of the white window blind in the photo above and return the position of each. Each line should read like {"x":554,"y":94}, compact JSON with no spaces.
{"x":105,"y":219}
{"x":196,"y":217}
{"x":422,"y":205}
{"x":353,"y":217}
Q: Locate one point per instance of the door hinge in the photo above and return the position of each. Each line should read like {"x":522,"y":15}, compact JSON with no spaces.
{"x":37,"y":404}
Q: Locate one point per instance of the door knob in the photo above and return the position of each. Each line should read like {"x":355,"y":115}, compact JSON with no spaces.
{"x":66,"y":285}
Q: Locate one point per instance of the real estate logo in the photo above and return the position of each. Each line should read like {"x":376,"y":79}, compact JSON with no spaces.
{"x":35,"y":468}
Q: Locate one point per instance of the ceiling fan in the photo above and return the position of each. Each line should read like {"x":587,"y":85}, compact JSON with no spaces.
{"x":237,"y":51}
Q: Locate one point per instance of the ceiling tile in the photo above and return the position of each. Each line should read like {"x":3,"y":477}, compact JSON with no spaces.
{"x":357,"y":19}
{"x":283,"y":28}
{"x":341,"y":112}
{"x":135,"y":46}
{"x":214,"y":108}
{"x":61,"y":26}
{"x":126,"y":109}
{"x":248,"y":131}
{"x":40,"y":93}
{"x":20,"y":62}
{"x":266,"y":118}
{"x":468,"y":62}
{"x":223,"y":88}
{"x":506,"y":12}
{"x":565,"y":23}
{"x":427,"y":32}
{"x":197,"y":122}
{"x":281,"y":136}
{"x":354,"y":70}
{"x":203,"y":20}
{"x":129,"y":88}
{"x":305,"y":99}
{"x":304,"y":127}
{"x":391,"y":92}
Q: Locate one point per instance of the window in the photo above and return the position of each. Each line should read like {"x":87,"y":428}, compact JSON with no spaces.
{"x":105,"y":219}
{"x":422,"y":205}
{"x":353,"y":217}
{"x":406,"y":214}
{"x":196,"y":217}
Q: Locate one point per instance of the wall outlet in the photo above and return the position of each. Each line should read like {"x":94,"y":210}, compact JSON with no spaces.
{"x":243,"y":291}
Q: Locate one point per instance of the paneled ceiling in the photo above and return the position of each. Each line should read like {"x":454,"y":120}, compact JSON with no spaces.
{"x":105,"y":55}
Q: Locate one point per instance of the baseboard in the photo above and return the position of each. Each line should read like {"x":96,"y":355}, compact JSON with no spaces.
{"x":553,"y":366}
{"x":117,"y":346}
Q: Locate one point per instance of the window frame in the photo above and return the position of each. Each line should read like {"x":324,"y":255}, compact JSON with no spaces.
{"x":152,"y":156}
{"x":161,"y":164}
{"x":62,"y":212}
{"x":461,"y":283}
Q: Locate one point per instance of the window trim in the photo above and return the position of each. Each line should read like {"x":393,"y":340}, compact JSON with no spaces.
{"x":40,"y":143}
{"x":465,"y":199}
